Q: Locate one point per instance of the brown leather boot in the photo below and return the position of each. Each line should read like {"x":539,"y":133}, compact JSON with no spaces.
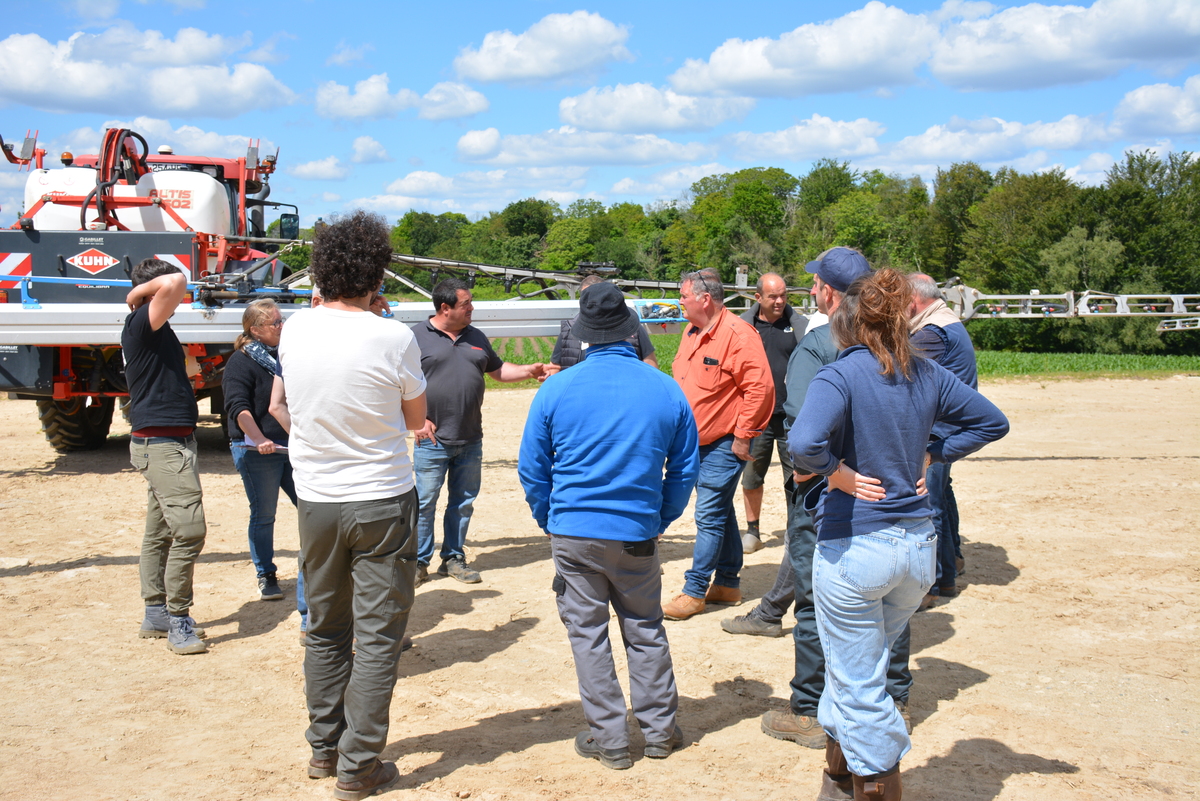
{"x":836,"y":782}
{"x":879,"y":787}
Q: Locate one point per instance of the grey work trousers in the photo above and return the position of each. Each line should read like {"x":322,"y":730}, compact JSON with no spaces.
{"x":175,"y":527}
{"x":591,"y":574}
{"x":360,"y":566}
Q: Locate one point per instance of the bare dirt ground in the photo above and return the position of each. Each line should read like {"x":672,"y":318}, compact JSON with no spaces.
{"x":1066,"y":669}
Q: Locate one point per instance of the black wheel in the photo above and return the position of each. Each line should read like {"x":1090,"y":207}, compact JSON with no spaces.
{"x":80,"y":424}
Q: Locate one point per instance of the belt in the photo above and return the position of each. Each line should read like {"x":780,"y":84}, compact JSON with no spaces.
{"x":188,"y":440}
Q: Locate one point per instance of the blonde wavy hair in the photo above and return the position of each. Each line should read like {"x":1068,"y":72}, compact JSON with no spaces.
{"x":259,"y":312}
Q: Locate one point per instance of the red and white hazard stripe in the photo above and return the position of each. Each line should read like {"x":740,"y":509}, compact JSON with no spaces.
{"x":14,"y":264}
{"x":182,"y":261}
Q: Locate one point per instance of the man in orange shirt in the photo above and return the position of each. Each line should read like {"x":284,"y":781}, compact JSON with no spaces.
{"x":723,"y":371}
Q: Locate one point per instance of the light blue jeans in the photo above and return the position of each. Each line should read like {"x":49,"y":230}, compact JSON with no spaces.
{"x":432,"y":465}
{"x":866,"y":588}
{"x":263,"y":476}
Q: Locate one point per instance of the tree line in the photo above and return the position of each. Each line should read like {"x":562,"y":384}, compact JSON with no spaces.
{"x":1000,"y":232}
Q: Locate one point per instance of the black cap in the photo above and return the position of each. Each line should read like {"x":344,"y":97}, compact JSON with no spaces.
{"x":603,"y":316}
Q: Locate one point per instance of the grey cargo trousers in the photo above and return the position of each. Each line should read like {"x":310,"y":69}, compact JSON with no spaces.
{"x":591,"y":574}
{"x":360,"y":567}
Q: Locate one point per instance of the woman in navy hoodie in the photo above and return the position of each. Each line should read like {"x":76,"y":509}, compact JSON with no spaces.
{"x":865,"y":425}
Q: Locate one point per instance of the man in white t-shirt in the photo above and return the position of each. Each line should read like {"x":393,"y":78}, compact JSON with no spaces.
{"x":354,"y":389}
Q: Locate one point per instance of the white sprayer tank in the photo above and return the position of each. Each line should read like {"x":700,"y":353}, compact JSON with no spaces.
{"x":199,"y":199}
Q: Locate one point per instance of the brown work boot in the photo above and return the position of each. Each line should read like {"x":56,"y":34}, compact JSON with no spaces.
{"x":800,"y":729}
{"x":384,"y":776}
{"x":879,"y":787}
{"x":322,"y":768}
{"x":723,"y":596}
{"x":836,"y":781}
{"x":682,"y":606}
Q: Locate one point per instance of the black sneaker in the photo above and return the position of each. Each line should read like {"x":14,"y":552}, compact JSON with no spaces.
{"x":268,"y":588}
{"x":456,"y":567}
{"x":422,"y":574}
{"x":662,"y":750}
{"x":615,"y":758}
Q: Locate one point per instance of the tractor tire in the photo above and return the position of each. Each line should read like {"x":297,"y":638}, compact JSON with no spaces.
{"x":81,"y":424}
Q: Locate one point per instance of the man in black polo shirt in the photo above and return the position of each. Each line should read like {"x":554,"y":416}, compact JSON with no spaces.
{"x":162,"y":414}
{"x":454,"y":357}
{"x":781,"y":329}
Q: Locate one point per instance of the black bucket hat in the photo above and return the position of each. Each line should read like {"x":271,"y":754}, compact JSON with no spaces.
{"x":603,"y":316}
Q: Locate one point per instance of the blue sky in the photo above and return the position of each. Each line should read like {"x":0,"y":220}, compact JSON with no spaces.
{"x":470,"y":106}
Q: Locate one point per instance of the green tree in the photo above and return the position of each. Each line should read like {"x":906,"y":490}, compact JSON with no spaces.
{"x":956,"y":191}
{"x":1022,"y":216}
{"x":529,"y":217}
{"x":567,"y":242}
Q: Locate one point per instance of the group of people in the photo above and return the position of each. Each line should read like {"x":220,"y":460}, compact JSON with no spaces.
{"x":611,"y":453}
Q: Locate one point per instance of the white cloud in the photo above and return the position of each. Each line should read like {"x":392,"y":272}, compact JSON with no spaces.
{"x":370,"y":98}
{"x":556,"y":46}
{"x":329,"y":168}
{"x":1161,"y":109}
{"x":1037,"y":45}
{"x":330,"y":197}
{"x":566,"y":145}
{"x":875,"y":46}
{"x":1092,"y":171}
{"x":95,"y":9}
{"x":641,"y":107}
{"x":993,"y":139}
{"x":477,"y":190}
{"x":448,"y":100}
{"x":124,"y":44}
{"x":368,"y":151}
{"x":668,"y":182}
{"x":267,"y":53}
{"x":177,"y":76}
{"x":345,"y":54}
{"x":812,"y":138}
{"x":422,"y":184}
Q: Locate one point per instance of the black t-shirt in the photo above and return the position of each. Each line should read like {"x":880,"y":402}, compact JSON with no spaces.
{"x":454,"y":371}
{"x":779,"y":340}
{"x":160,"y":394}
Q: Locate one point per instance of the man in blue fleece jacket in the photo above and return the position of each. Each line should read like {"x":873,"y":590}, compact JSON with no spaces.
{"x":592,"y":461}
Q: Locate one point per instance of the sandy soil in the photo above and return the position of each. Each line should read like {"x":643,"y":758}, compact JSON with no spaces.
{"x":1066,"y":669}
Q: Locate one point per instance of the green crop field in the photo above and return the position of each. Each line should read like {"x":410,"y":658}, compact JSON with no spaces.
{"x":992,"y":364}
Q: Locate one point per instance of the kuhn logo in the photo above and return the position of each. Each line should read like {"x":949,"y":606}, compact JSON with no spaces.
{"x":92,"y":261}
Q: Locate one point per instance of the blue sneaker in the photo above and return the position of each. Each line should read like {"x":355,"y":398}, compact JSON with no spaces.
{"x":155,"y":625}
{"x":181,"y":637}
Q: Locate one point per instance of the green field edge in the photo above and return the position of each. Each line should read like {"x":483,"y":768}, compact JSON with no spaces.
{"x":993,"y":365}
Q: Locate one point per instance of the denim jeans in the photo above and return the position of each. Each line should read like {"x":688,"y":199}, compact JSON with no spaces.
{"x":945,"y":521}
{"x":431,"y":464}
{"x":809,"y":680}
{"x":718,"y":542}
{"x":263,"y":476}
{"x":866,"y":588}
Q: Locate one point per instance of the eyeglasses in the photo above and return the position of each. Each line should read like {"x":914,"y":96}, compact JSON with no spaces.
{"x":274,"y":324}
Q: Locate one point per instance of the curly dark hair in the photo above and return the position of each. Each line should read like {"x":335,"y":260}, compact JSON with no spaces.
{"x":350,"y":254}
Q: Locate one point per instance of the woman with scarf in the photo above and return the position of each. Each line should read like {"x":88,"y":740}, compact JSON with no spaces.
{"x":258,"y":441}
{"x":865,"y":425}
